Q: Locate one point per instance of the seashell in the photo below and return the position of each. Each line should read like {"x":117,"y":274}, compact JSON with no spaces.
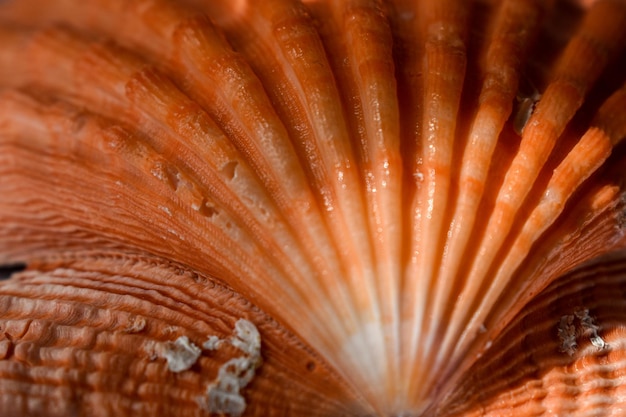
{"x":316,"y":208}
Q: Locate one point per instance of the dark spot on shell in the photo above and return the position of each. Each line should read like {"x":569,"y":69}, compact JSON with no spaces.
{"x":7,"y":271}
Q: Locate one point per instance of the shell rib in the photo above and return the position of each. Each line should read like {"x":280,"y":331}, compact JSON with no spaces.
{"x":312,"y":208}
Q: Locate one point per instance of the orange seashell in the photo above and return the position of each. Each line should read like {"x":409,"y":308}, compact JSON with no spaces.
{"x":316,"y":208}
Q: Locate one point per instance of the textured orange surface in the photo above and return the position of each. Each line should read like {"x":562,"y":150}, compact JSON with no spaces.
{"x":414,"y":202}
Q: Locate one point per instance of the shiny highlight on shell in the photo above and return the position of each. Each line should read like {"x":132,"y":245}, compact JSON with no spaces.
{"x":312,"y":208}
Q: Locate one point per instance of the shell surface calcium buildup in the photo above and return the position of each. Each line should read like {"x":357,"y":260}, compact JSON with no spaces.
{"x":312,"y":208}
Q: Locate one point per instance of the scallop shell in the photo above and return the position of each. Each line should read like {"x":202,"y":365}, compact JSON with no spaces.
{"x":326,"y":208}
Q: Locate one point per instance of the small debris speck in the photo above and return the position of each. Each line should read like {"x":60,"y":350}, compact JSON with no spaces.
{"x":223,"y":395}
{"x":181,"y":354}
{"x":574,"y":326}
{"x":212,"y":343}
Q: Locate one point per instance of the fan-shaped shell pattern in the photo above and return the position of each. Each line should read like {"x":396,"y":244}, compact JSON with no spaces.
{"x":316,"y":208}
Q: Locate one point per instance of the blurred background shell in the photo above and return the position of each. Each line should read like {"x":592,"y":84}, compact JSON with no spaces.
{"x":316,"y":208}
